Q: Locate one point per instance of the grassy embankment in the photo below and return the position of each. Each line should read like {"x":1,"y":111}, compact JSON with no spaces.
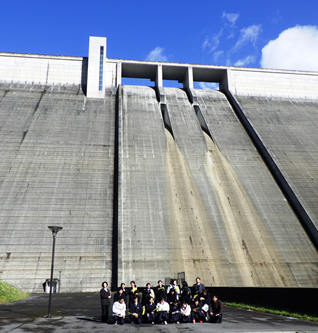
{"x":272,"y":311}
{"x":8,"y":293}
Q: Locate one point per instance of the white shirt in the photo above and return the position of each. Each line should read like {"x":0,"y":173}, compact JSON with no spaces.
{"x":175,"y":287}
{"x":186,"y":311}
{"x":119,"y":309}
{"x":163,"y":307}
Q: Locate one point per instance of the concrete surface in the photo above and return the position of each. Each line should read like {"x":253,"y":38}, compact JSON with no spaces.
{"x":81,"y":313}
{"x":289,"y":130}
{"x":251,"y":201}
{"x":53,"y":70}
{"x":56,"y":168}
{"x":96,"y":67}
{"x":42,"y":69}
{"x":146,"y":238}
{"x":208,"y":208}
{"x":186,"y":203}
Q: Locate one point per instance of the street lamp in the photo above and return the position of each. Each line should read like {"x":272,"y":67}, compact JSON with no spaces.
{"x":54,"y":230}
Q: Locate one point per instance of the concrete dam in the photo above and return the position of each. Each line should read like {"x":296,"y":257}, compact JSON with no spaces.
{"x":150,"y":182}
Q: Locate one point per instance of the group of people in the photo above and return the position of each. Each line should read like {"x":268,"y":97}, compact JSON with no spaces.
{"x":162,"y":305}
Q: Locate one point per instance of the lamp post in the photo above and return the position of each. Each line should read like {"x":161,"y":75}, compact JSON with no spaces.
{"x":54,"y":230}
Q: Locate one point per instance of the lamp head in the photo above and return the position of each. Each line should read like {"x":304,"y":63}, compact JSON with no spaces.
{"x":55,"y":229}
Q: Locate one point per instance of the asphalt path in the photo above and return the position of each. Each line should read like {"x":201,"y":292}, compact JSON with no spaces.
{"x":80,"y":312}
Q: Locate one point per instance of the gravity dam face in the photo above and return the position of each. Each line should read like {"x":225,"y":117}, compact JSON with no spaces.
{"x":189,"y":198}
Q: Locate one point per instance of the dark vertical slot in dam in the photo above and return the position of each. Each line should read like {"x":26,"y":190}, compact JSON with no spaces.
{"x":115,"y":197}
{"x":202,"y":121}
{"x":166,"y":118}
{"x":276,"y":173}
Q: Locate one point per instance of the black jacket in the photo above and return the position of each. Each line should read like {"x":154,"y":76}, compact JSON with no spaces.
{"x":216,"y":307}
{"x":160,"y":292}
{"x":174,"y":308}
{"x":150,"y":307}
{"x":136,"y":308}
{"x":200,"y":287}
{"x":207,"y":299}
{"x":104,"y":300}
{"x":185,"y":297}
{"x":172,"y":297}
{"x":118,"y":295}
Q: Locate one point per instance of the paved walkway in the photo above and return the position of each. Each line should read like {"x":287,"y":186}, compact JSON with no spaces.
{"x":81,"y":313}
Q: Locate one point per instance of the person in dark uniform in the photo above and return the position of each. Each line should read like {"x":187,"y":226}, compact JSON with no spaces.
{"x":198,"y":286}
{"x":216,"y":310}
{"x":131,"y":292}
{"x":119,"y":294}
{"x":160,"y":291}
{"x":205,"y":300}
{"x":135,"y":311}
{"x":175,"y":315}
{"x":185,"y":293}
{"x":197,"y":312}
{"x":150,"y":315}
{"x":125,"y":292}
{"x":105,"y":297}
{"x":172,"y":296}
{"x":147,"y":293}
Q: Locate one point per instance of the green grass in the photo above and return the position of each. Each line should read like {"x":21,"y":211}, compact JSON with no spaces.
{"x":272,"y":311}
{"x":8,"y":293}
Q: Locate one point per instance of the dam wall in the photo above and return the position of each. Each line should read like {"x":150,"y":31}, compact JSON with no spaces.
{"x":146,"y":238}
{"x":151,"y":182}
{"x":288,"y":130}
{"x":253,"y":206}
{"x":56,"y":168}
{"x":43,"y":69}
{"x":205,"y":206}
{"x":190,"y":200}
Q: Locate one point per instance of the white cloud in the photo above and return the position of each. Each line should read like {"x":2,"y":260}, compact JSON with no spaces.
{"x":217,"y":55}
{"x":295,"y":48}
{"x":231,"y":17}
{"x":243,"y":62}
{"x":156,"y":55}
{"x":205,"y":43}
{"x":212,"y":42}
{"x":249,"y":34}
{"x":209,"y":85}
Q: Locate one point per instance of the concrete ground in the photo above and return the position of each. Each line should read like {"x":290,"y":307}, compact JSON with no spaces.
{"x":80,"y":312}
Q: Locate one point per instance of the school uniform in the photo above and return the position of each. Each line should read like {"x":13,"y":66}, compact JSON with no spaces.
{"x":105,"y":302}
{"x":117,"y":296}
{"x":172,"y":297}
{"x":147,"y":293}
{"x":131,"y":294}
{"x":161,"y":293}
{"x":198,"y":286}
{"x":125,"y":294}
{"x":185,"y":313}
{"x":174,"y":315}
{"x":197,"y":312}
{"x":135,"y":308}
{"x":175,"y":287}
{"x":150,"y":309}
{"x":205,"y":301}
{"x":185,"y":297}
{"x":163,"y":312}
{"x":185,"y":294}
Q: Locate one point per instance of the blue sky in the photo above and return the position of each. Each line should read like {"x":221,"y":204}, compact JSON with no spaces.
{"x":271,"y":34}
